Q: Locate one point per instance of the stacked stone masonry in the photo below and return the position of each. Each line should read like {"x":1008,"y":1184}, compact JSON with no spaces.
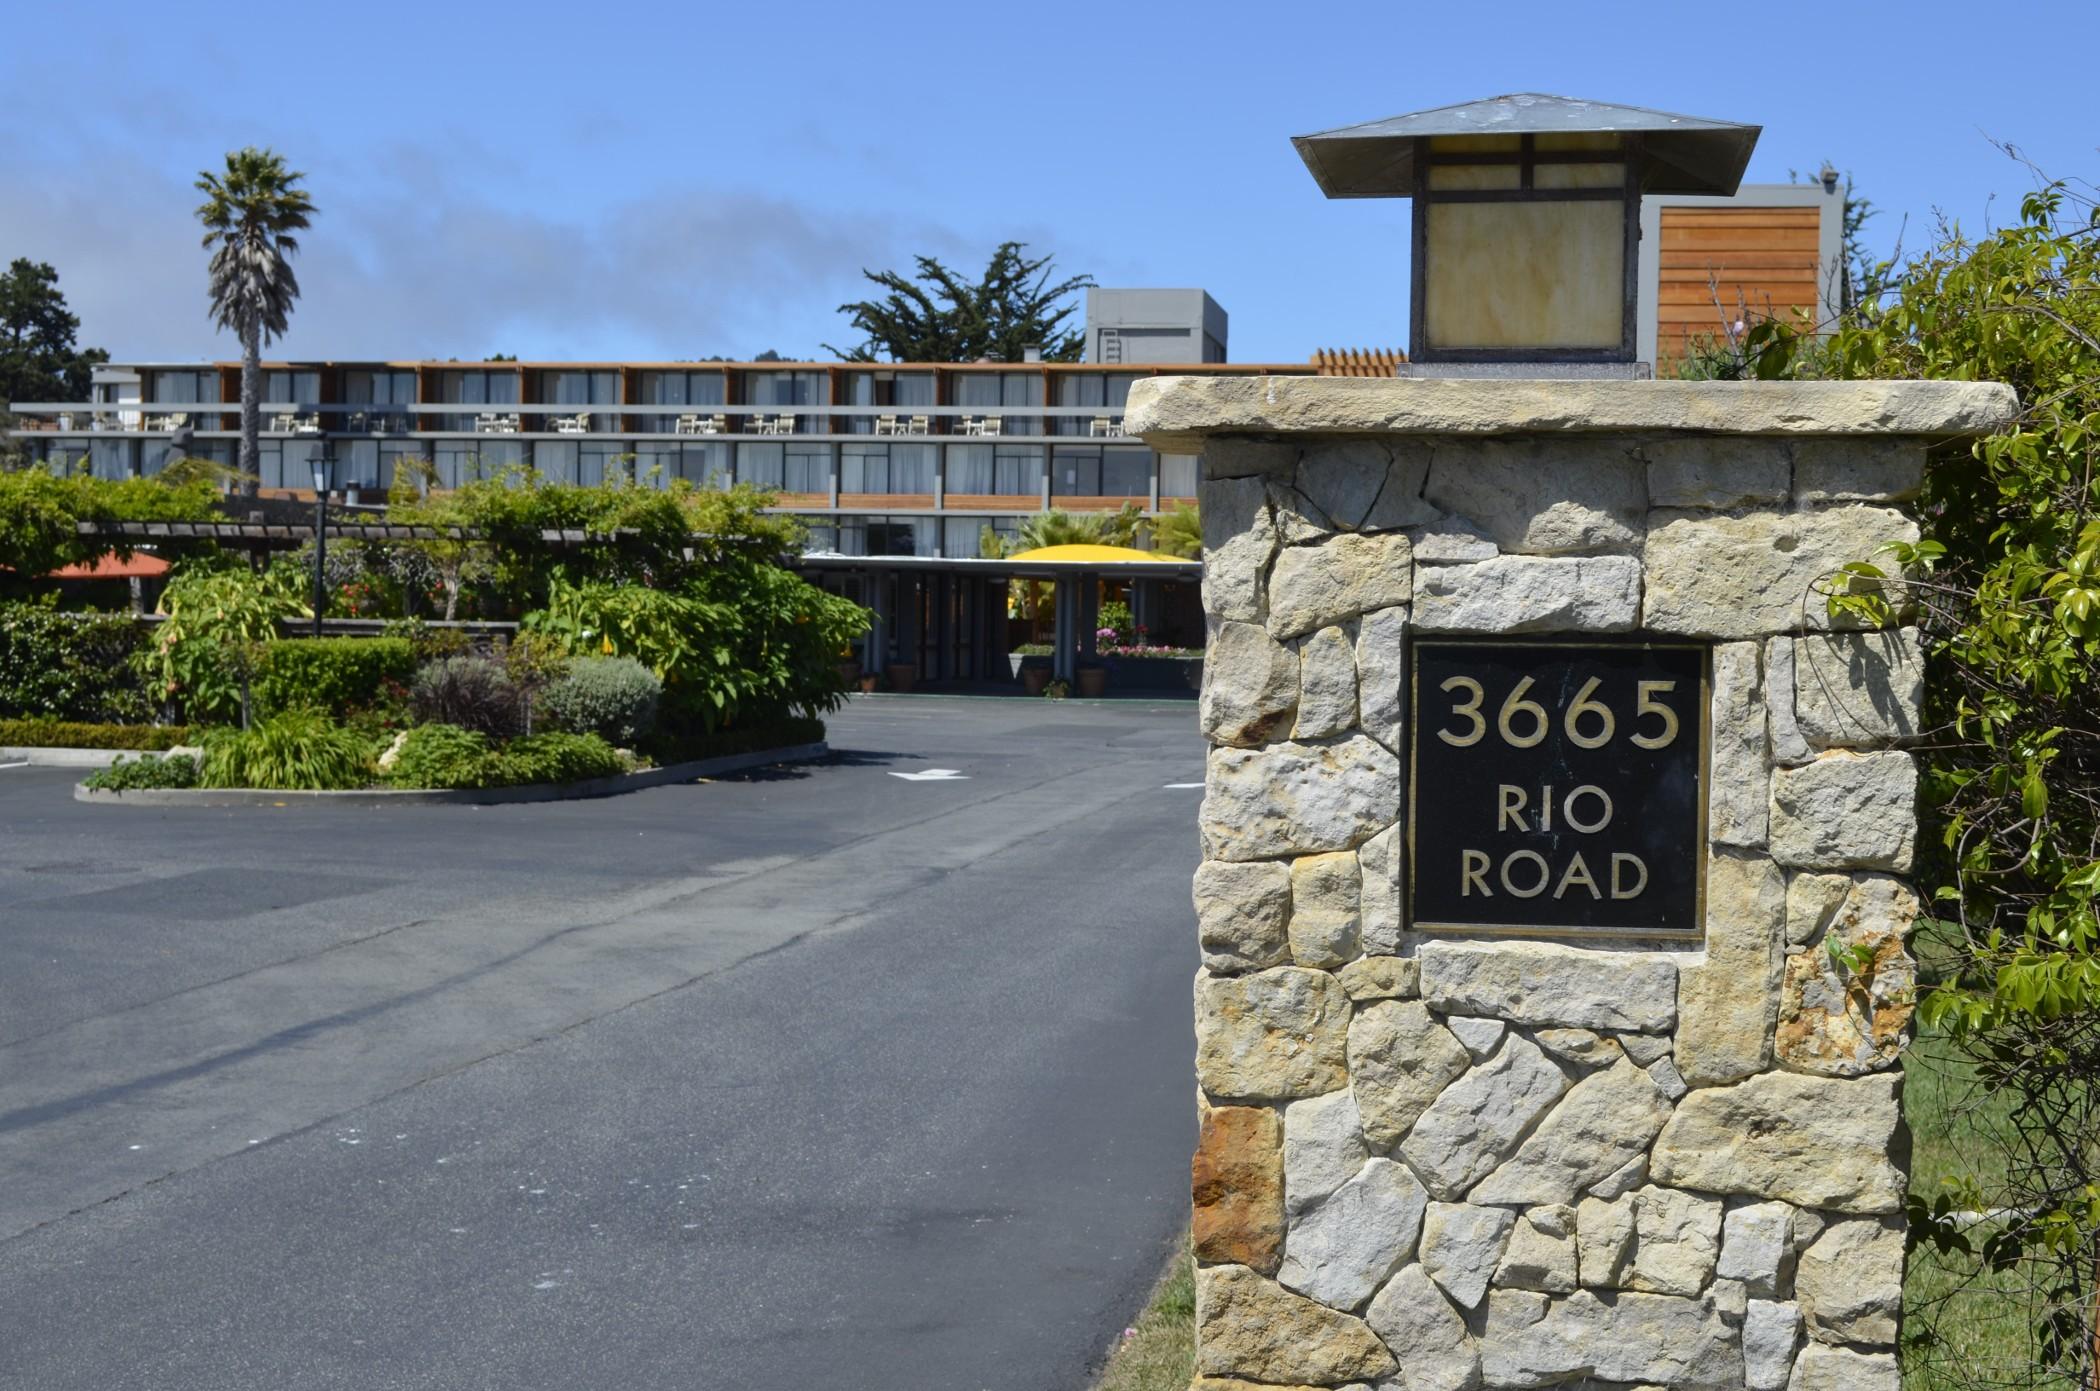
{"x":1450,"y":1164}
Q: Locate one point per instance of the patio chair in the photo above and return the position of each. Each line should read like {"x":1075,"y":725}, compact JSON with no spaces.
{"x":306,"y":424}
{"x":688,"y":425}
{"x":784,"y":425}
{"x":885,"y":424}
{"x":578,"y":424}
{"x":968,"y":425}
{"x":716,"y":424}
{"x":992,"y":425}
{"x":355,"y":421}
{"x":284,"y":422}
{"x":1097,"y":426}
{"x":486,"y":423}
{"x":921,"y":425}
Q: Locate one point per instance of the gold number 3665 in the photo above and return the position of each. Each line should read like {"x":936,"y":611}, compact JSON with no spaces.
{"x":1598,"y":715}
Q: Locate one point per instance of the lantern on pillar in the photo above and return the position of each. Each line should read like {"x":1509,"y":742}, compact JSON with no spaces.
{"x":1527,"y":216}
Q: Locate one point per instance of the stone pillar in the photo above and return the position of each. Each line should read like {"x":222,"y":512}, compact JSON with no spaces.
{"x":1647,"y":1132}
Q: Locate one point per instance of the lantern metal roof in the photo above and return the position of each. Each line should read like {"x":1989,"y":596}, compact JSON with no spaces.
{"x":1679,"y":154}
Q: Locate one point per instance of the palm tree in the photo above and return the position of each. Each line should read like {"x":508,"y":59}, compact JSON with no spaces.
{"x":249,"y":214}
{"x":1179,"y":531}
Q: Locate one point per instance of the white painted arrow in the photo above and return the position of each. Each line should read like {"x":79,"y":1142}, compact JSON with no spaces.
{"x":934,"y":775}
{"x":1175,"y":786}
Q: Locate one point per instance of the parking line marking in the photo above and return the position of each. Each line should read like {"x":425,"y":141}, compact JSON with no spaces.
{"x":1171,"y":786}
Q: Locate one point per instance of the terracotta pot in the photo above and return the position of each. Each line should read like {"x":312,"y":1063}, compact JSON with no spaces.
{"x":1093,"y":681}
{"x":903,"y":675}
{"x":869,"y":683}
{"x":1033,"y":679}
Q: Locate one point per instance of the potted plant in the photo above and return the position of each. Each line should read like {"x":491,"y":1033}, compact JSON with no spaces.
{"x":1035,"y":678}
{"x":1093,"y":680}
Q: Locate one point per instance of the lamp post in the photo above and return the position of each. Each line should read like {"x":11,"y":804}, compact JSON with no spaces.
{"x":323,"y":465}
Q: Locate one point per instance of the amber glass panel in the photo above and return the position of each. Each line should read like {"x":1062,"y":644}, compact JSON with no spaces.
{"x":1578,"y":176}
{"x":1475,"y":144}
{"x":1444,"y":178}
{"x":1576,"y":140}
{"x":1512,"y":276}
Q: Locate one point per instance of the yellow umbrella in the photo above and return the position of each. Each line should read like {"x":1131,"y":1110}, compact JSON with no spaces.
{"x":1084,"y":554}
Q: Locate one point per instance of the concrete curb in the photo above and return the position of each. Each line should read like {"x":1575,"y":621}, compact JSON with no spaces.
{"x":40,"y":756}
{"x":466,"y":796}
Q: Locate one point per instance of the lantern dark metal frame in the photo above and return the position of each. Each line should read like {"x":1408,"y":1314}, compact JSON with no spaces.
{"x":1663,"y":152}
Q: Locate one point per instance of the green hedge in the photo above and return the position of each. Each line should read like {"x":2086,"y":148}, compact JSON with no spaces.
{"x":725,"y":743}
{"x":66,"y":734}
{"x":333,"y":675}
{"x":446,"y":756}
{"x":146,"y":771}
{"x":70,"y":666}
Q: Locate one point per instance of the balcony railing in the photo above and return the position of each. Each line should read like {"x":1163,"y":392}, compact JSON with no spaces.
{"x":459,"y":419}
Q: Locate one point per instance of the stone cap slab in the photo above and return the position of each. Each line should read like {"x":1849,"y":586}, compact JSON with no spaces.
{"x":1176,"y":414}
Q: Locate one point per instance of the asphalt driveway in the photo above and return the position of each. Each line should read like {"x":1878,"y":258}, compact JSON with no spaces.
{"x":815,"y":1077}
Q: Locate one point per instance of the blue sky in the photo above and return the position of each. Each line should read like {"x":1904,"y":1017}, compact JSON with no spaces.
{"x":654,"y":180}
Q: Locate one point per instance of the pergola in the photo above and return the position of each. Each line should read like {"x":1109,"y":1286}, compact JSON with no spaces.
{"x":965,"y":602}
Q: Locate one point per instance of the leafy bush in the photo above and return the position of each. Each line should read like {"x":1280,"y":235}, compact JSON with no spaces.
{"x":293,"y":751}
{"x":556,"y":758}
{"x":129,"y":774}
{"x":39,"y":513}
{"x":65,"y":734}
{"x":441,"y":755}
{"x":471,"y":692}
{"x":446,"y":756}
{"x":612,"y":697}
{"x":218,"y":620}
{"x":335,"y":675}
{"x":70,"y":666}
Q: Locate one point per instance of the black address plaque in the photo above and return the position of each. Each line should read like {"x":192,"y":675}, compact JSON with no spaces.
{"x":1557,"y":787}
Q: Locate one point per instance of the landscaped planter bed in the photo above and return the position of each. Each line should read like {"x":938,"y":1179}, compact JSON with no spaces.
{"x":463,"y":796}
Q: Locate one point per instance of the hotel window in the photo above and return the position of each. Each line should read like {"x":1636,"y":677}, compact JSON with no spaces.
{"x":761,"y":465}
{"x":694,"y":393}
{"x":887,"y":468}
{"x":1126,"y":473}
{"x":807,"y":469}
{"x":982,"y":391}
{"x":186,"y":388}
{"x":1177,"y":475}
{"x":776,"y":389}
{"x":1018,"y":469}
{"x":465,"y":461}
{"x":888,"y":393}
{"x":573,"y":389}
{"x":496,"y":389}
{"x":293,"y":388}
{"x":963,"y":537}
{"x":367,"y":389}
{"x":599,"y":460}
{"x":555,"y":460}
